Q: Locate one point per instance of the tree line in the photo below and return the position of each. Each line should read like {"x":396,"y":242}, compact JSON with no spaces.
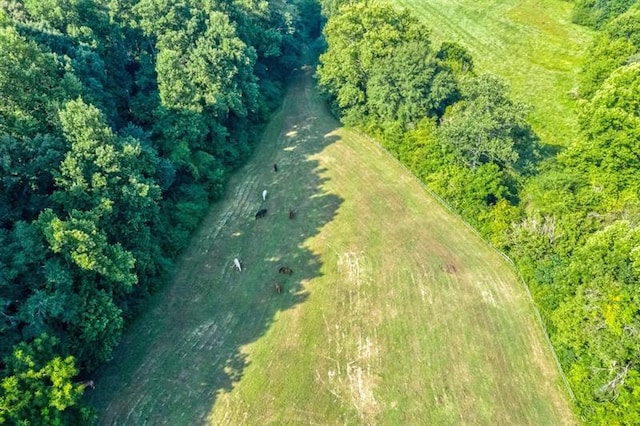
{"x":570,"y":220}
{"x":120,"y":121}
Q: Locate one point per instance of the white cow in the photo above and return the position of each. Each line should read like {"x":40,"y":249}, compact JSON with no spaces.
{"x":264,"y":195}
{"x":236,"y":262}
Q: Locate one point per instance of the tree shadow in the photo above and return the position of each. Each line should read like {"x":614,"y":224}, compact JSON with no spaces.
{"x":190,"y":345}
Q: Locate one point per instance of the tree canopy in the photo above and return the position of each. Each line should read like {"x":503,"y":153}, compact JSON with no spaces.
{"x":119,"y":123}
{"x":379,"y":67}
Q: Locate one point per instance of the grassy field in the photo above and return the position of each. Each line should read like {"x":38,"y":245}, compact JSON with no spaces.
{"x":530,"y":43}
{"x":396,"y":312}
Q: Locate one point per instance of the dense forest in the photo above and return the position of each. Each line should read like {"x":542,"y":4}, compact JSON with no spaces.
{"x":119,"y":123}
{"x":569,"y":219}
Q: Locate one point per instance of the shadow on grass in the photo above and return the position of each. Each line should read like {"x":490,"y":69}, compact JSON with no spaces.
{"x":189,"y":346}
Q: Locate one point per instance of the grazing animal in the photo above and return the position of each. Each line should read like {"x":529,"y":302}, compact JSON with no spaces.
{"x":88,"y":384}
{"x":275,"y":167}
{"x":236,"y":262}
{"x":285,"y":270}
{"x":292,"y":214}
{"x":264,"y":195}
{"x":261,"y":213}
{"x":277,"y":288}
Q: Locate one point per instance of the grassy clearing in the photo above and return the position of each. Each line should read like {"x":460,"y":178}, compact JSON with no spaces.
{"x":396,"y":312}
{"x":530,"y":43}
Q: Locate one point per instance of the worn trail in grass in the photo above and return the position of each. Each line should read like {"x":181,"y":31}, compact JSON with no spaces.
{"x":530,"y":43}
{"x":396,"y":312}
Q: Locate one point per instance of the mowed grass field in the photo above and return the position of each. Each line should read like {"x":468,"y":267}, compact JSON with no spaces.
{"x":396,"y":312}
{"x":530,"y":43}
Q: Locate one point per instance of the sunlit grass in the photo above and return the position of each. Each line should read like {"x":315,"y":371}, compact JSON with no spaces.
{"x":530,"y":43}
{"x":396,"y":313}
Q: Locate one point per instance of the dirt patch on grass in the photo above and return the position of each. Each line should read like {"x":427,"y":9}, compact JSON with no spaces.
{"x":449,"y":268}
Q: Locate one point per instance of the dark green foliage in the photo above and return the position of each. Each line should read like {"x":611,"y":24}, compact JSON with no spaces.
{"x":380,"y":69}
{"x":27,"y":168}
{"x":596,"y":13}
{"x":487,"y":127}
{"x":408,"y":86}
{"x":21,"y":263}
{"x":456,"y":58}
{"x":207,"y":71}
{"x":79,"y":34}
{"x":32,"y":84}
{"x":119,"y":123}
{"x":359,"y":38}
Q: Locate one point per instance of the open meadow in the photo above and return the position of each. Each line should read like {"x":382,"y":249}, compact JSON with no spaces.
{"x":530,"y":43}
{"x":396,"y":312}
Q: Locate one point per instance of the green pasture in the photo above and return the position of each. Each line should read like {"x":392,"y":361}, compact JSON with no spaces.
{"x":396,"y":312}
{"x":530,"y":43}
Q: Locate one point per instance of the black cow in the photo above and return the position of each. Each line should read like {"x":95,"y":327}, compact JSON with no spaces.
{"x":292,"y":214}
{"x":275,"y":167}
{"x":261,"y":213}
{"x":285,"y":270}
